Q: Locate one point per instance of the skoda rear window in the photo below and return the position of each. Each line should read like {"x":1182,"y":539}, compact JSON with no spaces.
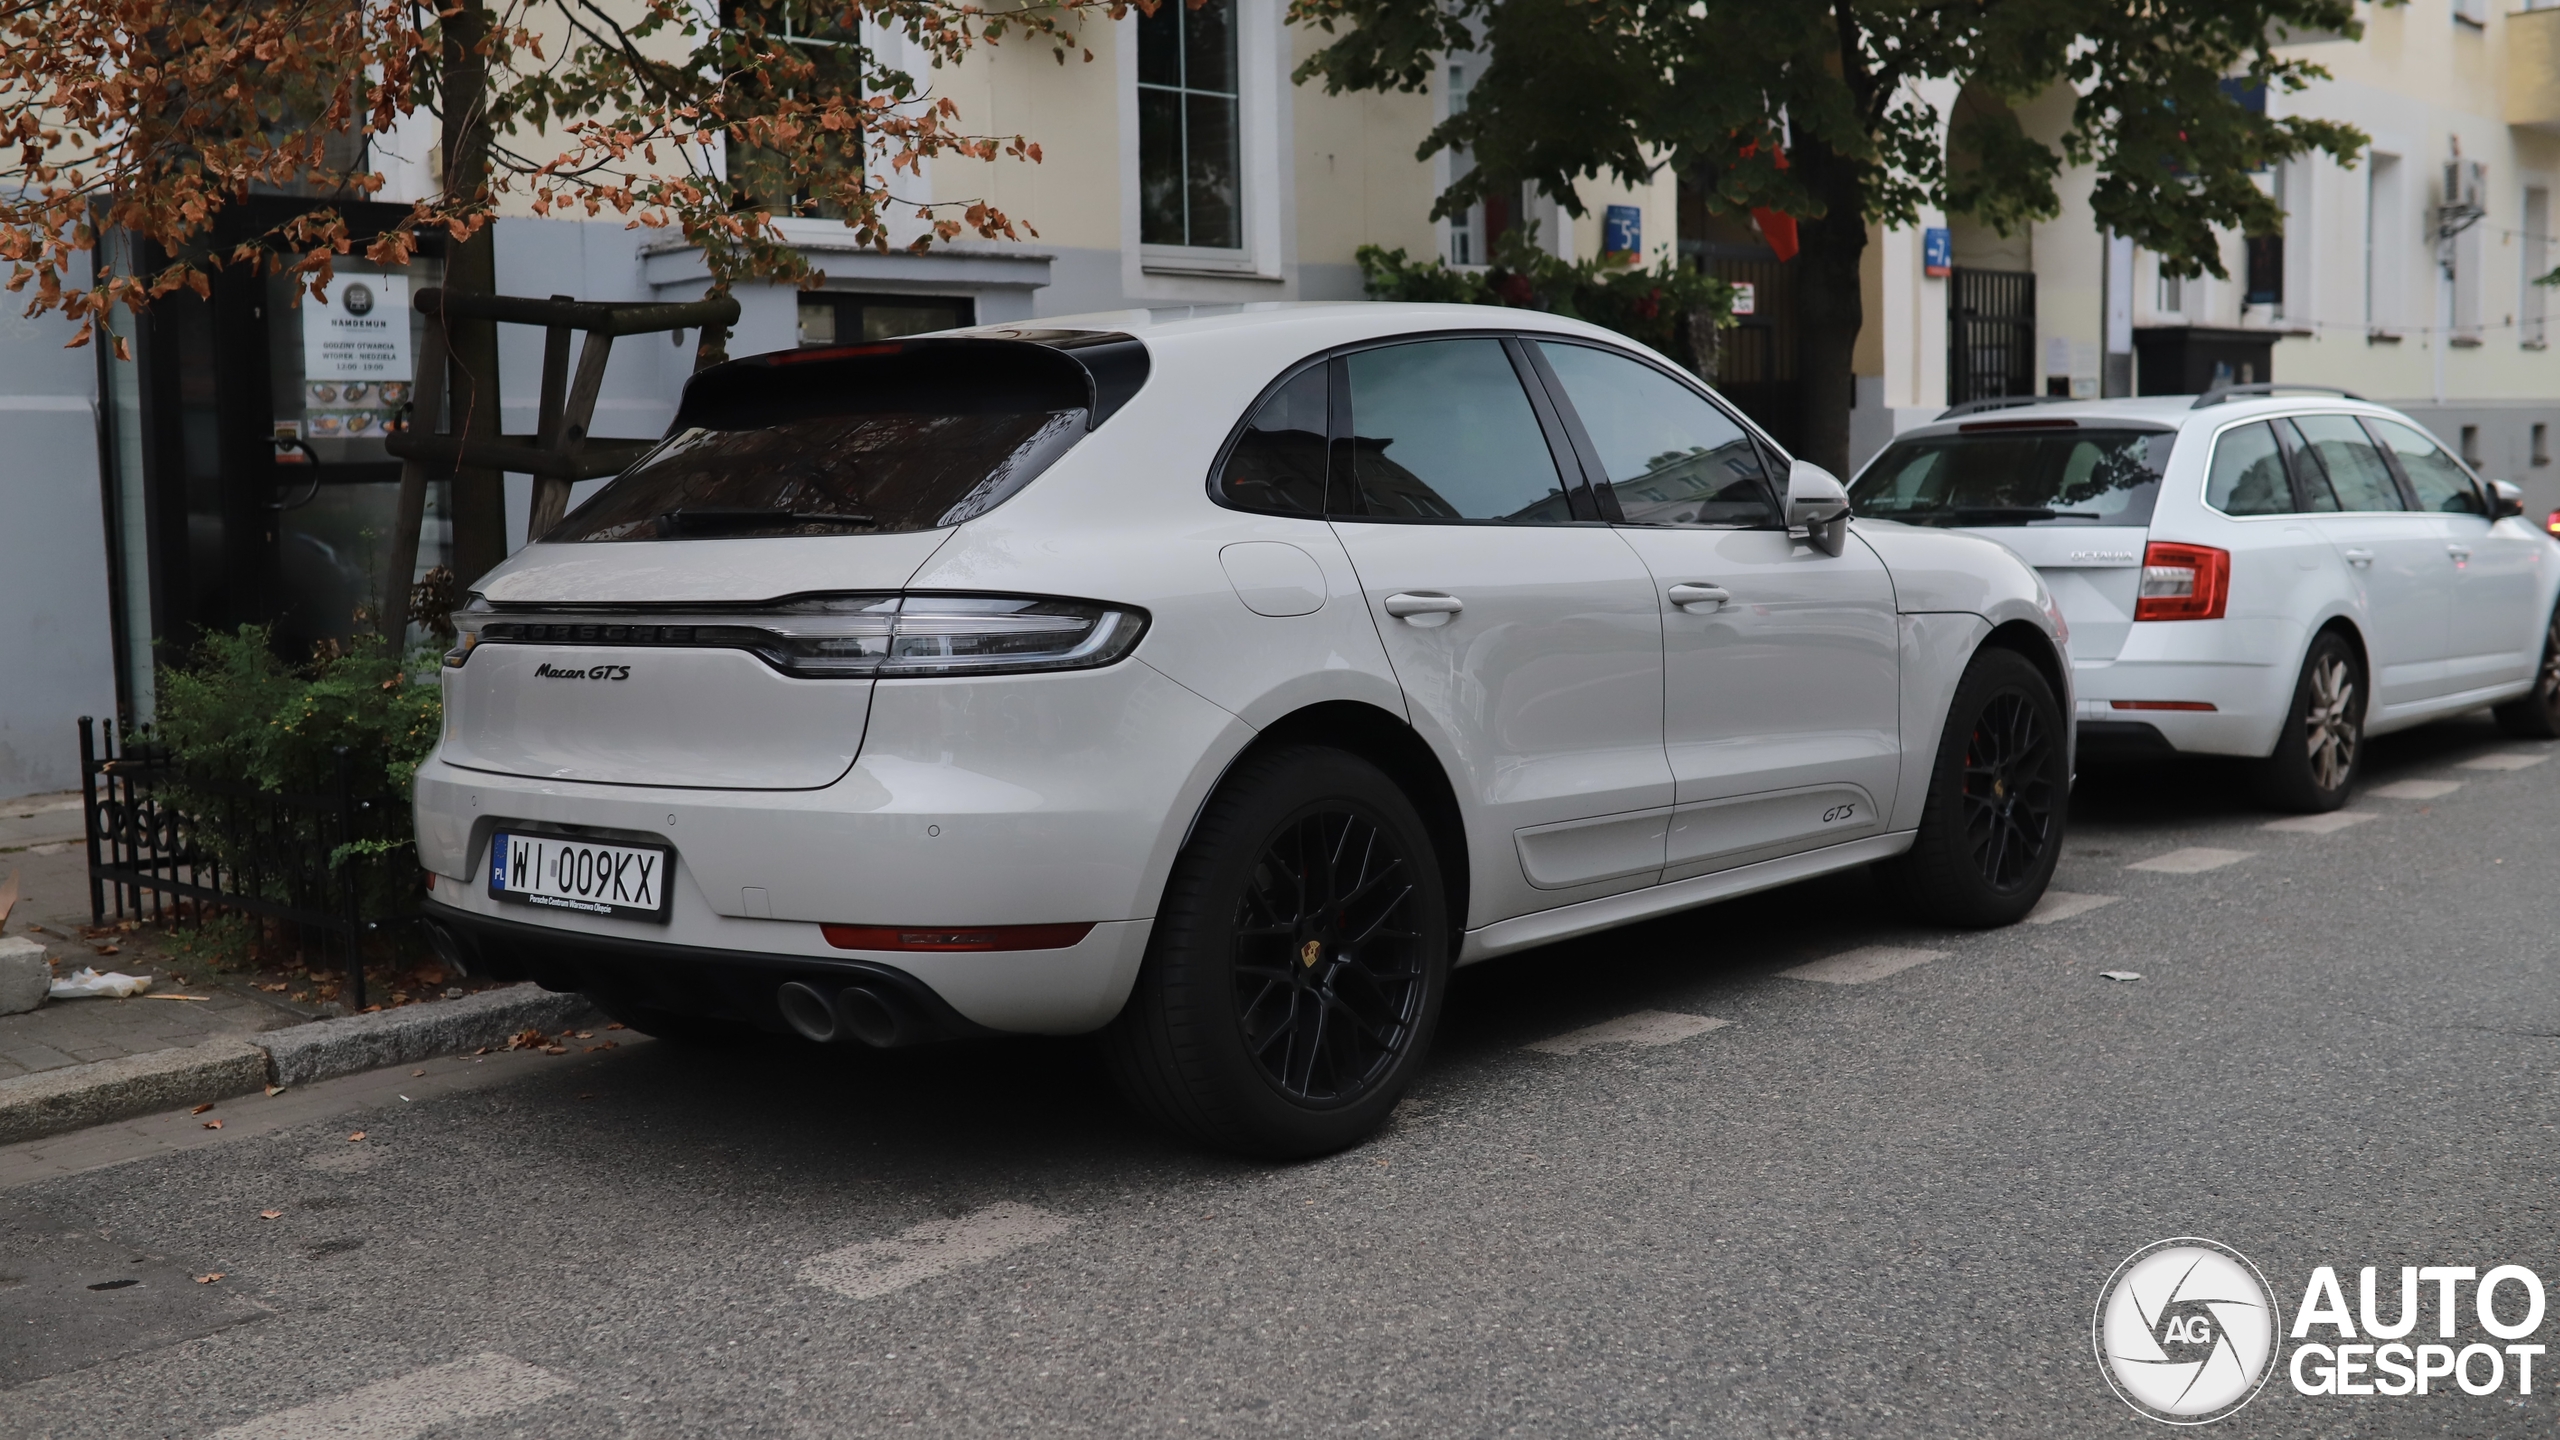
{"x":2049,"y":475}
{"x":868,"y":440}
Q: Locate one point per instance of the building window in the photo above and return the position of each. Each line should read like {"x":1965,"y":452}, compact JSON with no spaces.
{"x":2533,"y":325}
{"x":2471,"y":446}
{"x":2385,"y":248}
{"x":1189,"y":169}
{"x":830,"y":319}
{"x":1467,"y":239}
{"x":2541,"y":452}
{"x":2172,"y":299}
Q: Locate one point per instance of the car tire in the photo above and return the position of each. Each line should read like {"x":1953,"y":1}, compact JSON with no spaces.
{"x":2536,"y":714}
{"x":1289,"y":991}
{"x":1991,"y":830}
{"x":2317,"y":753}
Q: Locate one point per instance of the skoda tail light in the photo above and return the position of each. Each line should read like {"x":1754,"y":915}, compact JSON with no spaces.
{"x":2183,"y":582}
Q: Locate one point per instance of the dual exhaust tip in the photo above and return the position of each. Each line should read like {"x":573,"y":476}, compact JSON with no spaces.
{"x":863,"y":1013}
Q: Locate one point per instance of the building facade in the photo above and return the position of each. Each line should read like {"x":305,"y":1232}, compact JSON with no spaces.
{"x":232,"y":469}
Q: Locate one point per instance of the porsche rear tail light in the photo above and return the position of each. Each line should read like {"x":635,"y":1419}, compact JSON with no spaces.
{"x":2183,"y":582}
{"x":2553,"y":524}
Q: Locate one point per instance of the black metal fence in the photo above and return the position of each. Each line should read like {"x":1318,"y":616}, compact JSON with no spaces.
{"x":166,"y":843}
{"x":1991,"y":334}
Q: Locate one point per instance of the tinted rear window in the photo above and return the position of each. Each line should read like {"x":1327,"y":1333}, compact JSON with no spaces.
{"x":2080,"y":476}
{"x":873,"y":441}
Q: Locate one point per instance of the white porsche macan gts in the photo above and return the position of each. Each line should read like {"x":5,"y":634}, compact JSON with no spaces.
{"x":1218,"y":682}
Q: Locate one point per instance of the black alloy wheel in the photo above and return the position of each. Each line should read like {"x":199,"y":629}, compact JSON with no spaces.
{"x":2012,"y":804}
{"x":1296,"y":967}
{"x":1329,"y":988}
{"x":1991,"y":830}
{"x":2535,"y":715}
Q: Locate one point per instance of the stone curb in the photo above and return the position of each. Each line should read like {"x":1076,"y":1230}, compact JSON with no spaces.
{"x":53,"y":1101}
{"x":78,"y":1096}
{"x":324,"y":1049}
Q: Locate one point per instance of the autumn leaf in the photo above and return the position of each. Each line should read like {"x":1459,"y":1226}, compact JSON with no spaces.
{"x":270,"y":1214}
{"x":356,"y":1136}
{"x":213,"y":1124}
{"x":201,"y":1108}
{"x":209,"y":1279}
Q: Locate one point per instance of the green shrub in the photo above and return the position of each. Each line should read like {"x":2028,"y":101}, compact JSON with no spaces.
{"x":236,"y":714}
{"x":1675,"y":308}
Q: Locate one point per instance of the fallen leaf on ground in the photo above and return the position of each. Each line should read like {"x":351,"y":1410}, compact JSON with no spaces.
{"x":274,"y":1090}
{"x":356,"y":1136}
{"x":369,"y":1009}
{"x":209,"y":1279}
{"x":605,"y":1045}
{"x":277,"y":988}
{"x":416,"y":1073}
{"x":201,"y":1108}
{"x":270,"y":1214}
{"x":107,"y":949}
{"x":2120,"y":974}
{"x":617,"y":1025}
{"x":483,"y":1050}
{"x":586,"y":1034}
{"x":555,"y":1049}
{"x":213,"y":1124}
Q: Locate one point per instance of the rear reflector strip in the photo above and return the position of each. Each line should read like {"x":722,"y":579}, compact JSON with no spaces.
{"x":2160,"y":704}
{"x":975,"y":937}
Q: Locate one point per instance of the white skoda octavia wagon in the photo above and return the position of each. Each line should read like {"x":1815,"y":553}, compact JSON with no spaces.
{"x":2265,"y":571}
{"x":1216,"y":682}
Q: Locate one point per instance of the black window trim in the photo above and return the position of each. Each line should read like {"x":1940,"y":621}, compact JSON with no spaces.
{"x":2284,"y":457}
{"x":2390,"y":463}
{"x":1569,"y":464}
{"x":1595,"y":474}
{"x":2409,"y":497}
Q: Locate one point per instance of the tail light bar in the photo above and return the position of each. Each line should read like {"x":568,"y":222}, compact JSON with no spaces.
{"x":2553,"y":524}
{"x":2183,"y":582}
{"x":824,"y":637}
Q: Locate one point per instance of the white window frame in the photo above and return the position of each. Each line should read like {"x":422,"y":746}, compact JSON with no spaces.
{"x":1262,"y":120}
{"x":2387,"y":237}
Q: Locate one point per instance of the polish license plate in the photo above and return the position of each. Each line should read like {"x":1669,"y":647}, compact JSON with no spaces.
{"x":626,"y":882}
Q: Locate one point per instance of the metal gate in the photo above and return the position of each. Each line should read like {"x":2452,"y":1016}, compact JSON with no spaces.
{"x":1991,"y":334}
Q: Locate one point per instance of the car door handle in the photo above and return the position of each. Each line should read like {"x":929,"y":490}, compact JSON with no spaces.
{"x":1686,"y":596}
{"x":1407,"y":604}
{"x":2359,"y":557}
{"x":2458,"y":552}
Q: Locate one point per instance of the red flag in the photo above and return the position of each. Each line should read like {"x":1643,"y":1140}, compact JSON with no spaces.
{"x":1779,"y":230}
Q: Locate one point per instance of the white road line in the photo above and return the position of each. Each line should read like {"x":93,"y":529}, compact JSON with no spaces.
{"x":2416,"y":789}
{"x":2194,"y":860}
{"x":937,"y":1247}
{"x":2329,"y":824}
{"x":1859,"y":966}
{"x":2063,"y":905}
{"x":1642,"y":1029}
{"x":411,"y":1404}
{"x":2509,"y":761}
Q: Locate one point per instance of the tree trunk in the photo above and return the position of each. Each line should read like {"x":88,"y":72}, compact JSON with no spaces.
{"x":471,"y":267}
{"x":1829,"y":310}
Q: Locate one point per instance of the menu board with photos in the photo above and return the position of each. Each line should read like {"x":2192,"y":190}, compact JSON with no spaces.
{"x":356,"y":361}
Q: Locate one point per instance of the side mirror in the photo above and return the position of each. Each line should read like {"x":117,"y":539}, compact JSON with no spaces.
{"x":2504,"y":500}
{"x":1818,"y":505}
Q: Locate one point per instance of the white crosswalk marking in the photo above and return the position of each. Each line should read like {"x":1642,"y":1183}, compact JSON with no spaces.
{"x":2063,"y":905}
{"x":1642,"y":1029}
{"x":937,"y":1247}
{"x":2329,"y":824}
{"x":1859,"y":966}
{"x":2194,"y":860}
{"x":411,"y":1404}
{"x":2416,"y":789}
{"x":2507,"y":761}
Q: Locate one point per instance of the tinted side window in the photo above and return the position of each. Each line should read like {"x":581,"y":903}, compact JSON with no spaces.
{"x":2440,"y":480}
{"x":1441,"y":430}
{"x":2355,"y":469}
{"x":2248,"y":474}
{"x":2310,"y":482}
{"x":1672,"y":457}
{"x":1278,"y":462}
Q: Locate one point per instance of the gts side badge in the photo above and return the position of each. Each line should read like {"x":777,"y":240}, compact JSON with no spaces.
{"x":548,"y":671}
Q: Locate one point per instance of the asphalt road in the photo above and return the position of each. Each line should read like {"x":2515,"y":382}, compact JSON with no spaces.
{"x":1882,"y":1208}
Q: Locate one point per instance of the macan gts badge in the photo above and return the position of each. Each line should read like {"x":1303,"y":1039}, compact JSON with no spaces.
{"x":1213,"y":686}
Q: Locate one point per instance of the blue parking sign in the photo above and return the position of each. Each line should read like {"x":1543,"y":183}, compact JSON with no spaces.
{"x":1937,"y":252}
{"x":1622,"y":232}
